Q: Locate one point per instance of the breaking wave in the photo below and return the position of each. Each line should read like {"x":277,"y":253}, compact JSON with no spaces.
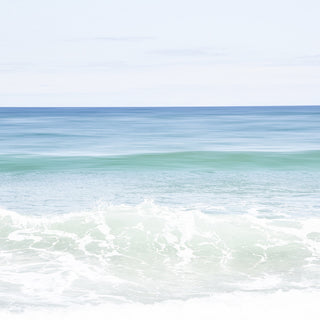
{"x":149,"y":253}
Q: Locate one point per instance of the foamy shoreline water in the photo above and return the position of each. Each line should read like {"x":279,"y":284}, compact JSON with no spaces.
{"x":150,"y":253}
{"x":295,"y":305}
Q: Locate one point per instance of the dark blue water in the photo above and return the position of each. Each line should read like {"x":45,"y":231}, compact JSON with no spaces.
{"x":114,"y":131}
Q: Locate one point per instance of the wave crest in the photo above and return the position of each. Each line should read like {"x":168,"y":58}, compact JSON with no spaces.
{"x":307,"y":160}
{"x":149,"y":252}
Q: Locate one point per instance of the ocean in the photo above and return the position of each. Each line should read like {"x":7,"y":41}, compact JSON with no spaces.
{"x":121,"y":213}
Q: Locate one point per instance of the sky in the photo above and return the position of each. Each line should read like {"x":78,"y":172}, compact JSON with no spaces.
{"x":159,"y":53}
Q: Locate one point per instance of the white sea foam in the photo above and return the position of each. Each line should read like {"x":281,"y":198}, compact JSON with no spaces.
{"x":293,"y":305}
{"x":150,"y":253}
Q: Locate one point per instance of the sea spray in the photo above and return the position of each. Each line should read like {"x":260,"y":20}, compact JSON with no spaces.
{"x":152,"y":253}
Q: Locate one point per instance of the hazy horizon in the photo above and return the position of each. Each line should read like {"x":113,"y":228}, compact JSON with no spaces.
{"x":235,"y":106}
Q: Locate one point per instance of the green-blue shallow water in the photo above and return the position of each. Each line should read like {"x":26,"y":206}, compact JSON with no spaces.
{"x":214,"y":160}
{"x":152,"y":204}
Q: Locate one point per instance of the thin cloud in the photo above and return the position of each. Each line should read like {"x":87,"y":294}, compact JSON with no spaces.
{"x":114,"y":39}
{"x":313,"y":59}
{"x":57,"y":67}
{"x":15,"y":67}
{"x":194,"y":52}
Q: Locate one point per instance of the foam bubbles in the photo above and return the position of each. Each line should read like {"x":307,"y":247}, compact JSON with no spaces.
{"x":150,"y":253}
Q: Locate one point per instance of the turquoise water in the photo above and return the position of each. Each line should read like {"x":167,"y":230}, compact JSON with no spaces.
{"x":146,"y":205}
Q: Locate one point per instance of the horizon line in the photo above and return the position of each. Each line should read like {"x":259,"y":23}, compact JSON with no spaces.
{"x":179,"y":106}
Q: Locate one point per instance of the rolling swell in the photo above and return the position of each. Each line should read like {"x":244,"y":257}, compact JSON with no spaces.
{"x":306,"y":160}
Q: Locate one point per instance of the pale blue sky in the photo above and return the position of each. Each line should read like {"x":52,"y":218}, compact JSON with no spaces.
{"x":159,"y":53}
